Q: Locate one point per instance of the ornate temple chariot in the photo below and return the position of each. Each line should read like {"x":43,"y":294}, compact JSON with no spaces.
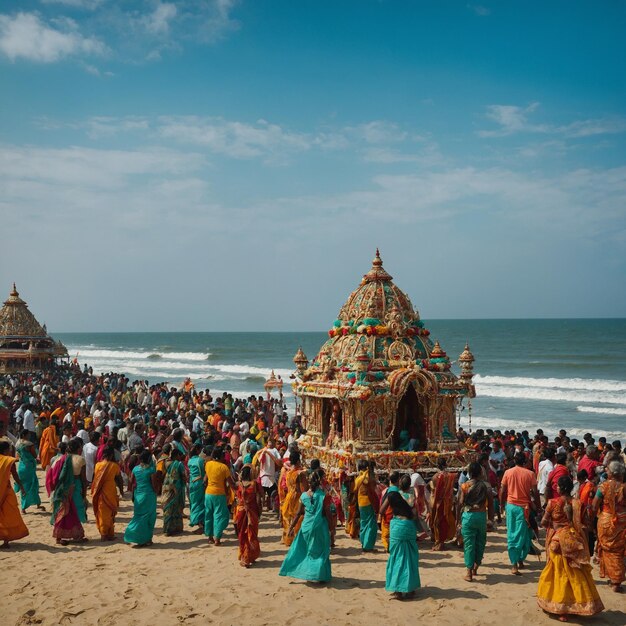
{"x":25,"y":345}
{"x":379,"y":388}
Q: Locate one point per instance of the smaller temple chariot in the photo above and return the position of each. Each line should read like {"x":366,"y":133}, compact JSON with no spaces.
{"x":25,"y":345}
{"x":379,"y":388}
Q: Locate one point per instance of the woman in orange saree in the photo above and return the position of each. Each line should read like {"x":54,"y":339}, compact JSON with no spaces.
{"x":12,"y":525}
{"x":107,"y":480}
{"x":247,"y":515}
{"x":290,"y":505}
{"x":48,"y":444}
{"x":566,"y":584}
{"x":442,"y":519}
{"x":610,"y":500}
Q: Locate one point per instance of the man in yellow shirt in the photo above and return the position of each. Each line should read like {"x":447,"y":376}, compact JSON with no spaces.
{"x":218,"y":478}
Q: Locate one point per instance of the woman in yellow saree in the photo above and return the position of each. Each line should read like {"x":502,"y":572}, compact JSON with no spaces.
{"x":566,"y":584}
{"x":48,"y":444}
{"x":12,"y":526}
{"x":290,"y":505}
{"x":107,"y":480}
{"x":610,"y":500}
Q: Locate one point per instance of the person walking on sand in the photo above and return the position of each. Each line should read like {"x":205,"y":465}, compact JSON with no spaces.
{"x":27,"y":471}
{"x":566,"y":584}
{"x":442,"y":520}
{"x":308,"y":557}
{"x":195,"y":466}
{"x":519,"y":491}
{"x":107,"y":480}
{"x":610,"y":501}
{"x":12,"y":525}
{"x":247,"y":515}
{"x":474,"y":510}
{"x":173,"y":500}
{"x":368,"y":501}
{"x":217,"y":480}
{"x":402,"y":576}
{"x":295,"y":481}
{"x":144,"y":485}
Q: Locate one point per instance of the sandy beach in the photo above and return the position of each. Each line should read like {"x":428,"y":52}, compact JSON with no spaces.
{"x":182,"y":580}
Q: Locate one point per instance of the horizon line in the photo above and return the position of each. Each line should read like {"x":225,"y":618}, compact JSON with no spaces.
{"x":440,"y":319}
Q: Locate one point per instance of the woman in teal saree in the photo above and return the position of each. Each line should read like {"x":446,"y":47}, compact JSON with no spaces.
{"x":309,"y":554}
{"x":402,"y":574}
{"x":144,"y":487}
{"x":27,"y":471}
{"x":173,"y":501}
{"x":196,"y":488}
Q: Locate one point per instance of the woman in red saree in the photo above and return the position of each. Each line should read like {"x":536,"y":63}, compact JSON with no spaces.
{"x":247,"y":515}
{"x":60,"y":481}
{"x":610,"y":500}
{"x":442,"y":519}
{"x":107,"y":480}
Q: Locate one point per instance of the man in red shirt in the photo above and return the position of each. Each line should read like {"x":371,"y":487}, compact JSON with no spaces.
{"x":560,"y":469}
{"x":590,"y":461}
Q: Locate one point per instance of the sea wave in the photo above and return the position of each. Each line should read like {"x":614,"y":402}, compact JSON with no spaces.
{"x":601,"y":409}
{"x":550,"y":428}
{"x":584,"y":384}
{"x":543,"y":393}
{"x":84,"y":354}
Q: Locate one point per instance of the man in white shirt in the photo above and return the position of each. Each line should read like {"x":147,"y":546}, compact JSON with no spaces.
{"x":198,"y":424}
{"x":29,"y":422}
{"x":269,"y":463}
{"x":545,"y":467}
{"x":82,"y":433}
{"x":90,"y":450}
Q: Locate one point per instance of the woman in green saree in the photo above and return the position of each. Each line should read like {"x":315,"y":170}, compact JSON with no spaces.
{"x":143,"y":484}
{"x":196,"y":488}
{"x":173,"y":501}
{"x":309,"y":554}
{"x":27,"y":471}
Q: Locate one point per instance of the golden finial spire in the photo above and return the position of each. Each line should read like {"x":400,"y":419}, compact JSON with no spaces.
{"x":377,"y":272}
{"x":14,"y":293}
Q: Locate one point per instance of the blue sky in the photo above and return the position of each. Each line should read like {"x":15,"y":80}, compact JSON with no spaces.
{"x":224,"y":165}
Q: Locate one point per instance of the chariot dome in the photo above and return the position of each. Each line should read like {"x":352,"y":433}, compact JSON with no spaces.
{"x":379,"y":382}
{"x":25,"y":345}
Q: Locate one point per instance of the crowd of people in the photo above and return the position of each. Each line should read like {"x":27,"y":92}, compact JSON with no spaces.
{"x":229,"y":460}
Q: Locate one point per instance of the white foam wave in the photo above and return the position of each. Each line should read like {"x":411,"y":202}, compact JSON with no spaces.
{"x":87,"y":354}
{"x":551,"y":429}
{"x":582,"y":384}
{"x":601,"y":409}
{"x":251,"y":370}
{"x":542,"y":393}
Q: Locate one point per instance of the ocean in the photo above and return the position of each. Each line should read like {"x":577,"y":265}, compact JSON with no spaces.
{"x":530,"y":374}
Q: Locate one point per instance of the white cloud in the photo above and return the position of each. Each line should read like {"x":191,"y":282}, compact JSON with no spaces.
{"x":235,"y":139}
{"x":91,"y":168}
{"x":512,"y":119}
{"x":26,"y":36}
{"x":158,"y":22}
{"x":378,"y":131}
{"x":88,"y":5}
